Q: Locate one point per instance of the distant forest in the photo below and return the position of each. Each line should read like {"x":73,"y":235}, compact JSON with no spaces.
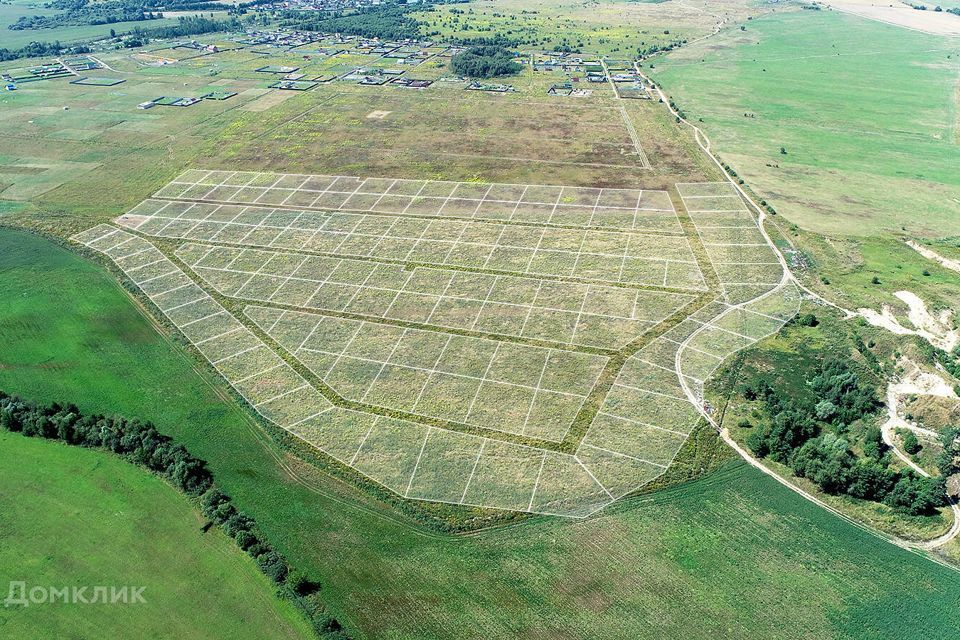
{"x":388,"y":22}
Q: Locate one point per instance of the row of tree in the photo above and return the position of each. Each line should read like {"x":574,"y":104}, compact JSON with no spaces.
{"x":191,"y":26}
{"x":795,"y":436}
{"x":185,"y":26}
{"x":141,"y":443}
{"x":43,"y":49}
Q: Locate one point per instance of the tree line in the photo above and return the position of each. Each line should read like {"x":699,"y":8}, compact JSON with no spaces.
{"x":807,"y":433}
{"x":186,"y":26}
{"x":85,"y":12}
{"x":140,"y":443}
{"x":191,"y":26}
{"x":42,"y":49}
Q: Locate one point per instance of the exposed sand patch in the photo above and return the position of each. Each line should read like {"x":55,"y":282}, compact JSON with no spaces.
{"x":898,"y":14}
{"x":921,"y":383}
{"x":916,"y":382}
{"x":930,"y":254}
{"x":934,"y":329}
{"x":268,"y":101}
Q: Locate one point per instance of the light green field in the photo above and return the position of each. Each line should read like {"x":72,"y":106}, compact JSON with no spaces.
{"x":732,"y":554}
{"x":73,"y":517}
{"x":866,"y":112}
{"x":11,"y":11}
{"x":22,"y":37}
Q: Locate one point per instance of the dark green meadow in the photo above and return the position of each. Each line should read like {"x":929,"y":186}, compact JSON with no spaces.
{"x":730,"y":555}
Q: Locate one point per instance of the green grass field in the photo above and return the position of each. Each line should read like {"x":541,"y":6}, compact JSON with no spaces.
{"x":75,"y":517}
{"x":733,"y":554}
{"x":13,"y":10}
{"x":866,"y":112}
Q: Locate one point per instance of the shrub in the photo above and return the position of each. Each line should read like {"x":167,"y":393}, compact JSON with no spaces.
{"x":910,"y":443}
{"x":273,"y":566}
{"x":245,"y":539}
{"x":916,"y":495}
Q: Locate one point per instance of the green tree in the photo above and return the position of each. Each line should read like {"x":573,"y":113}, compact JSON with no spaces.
{"x":486,"y":61}
{"x":910,"y":443}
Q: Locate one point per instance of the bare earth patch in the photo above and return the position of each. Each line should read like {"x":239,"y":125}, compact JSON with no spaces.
{"x":935,"y":329}
{"x":930,"y":254}
{"x":895,"y":13}
{"x":267,"y":101}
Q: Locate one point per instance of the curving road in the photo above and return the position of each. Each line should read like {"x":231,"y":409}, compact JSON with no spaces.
{"x":788,"y":277}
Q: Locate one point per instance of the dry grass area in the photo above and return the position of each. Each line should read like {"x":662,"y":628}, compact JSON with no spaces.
{"x":453,"y":134}
{"x":902,"y":15}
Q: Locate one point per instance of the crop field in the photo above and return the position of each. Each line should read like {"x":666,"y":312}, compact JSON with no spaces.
{"x":518,"y":347}
{"x":136,"y":530}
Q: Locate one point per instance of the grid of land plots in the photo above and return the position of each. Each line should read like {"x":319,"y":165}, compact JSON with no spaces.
{"x":448,"y":357}
{"x":632,"y":209}
{"x":584,"y":254}
{"x":745,"y":263}
{"x":560,"y":312}
{"x":516,"y":388}
{"x":254,"y":370}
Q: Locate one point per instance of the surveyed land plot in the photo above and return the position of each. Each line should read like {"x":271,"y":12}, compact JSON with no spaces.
{"x":258,"y":374}
{"x":630,"y":209}
{"x":519,"y":307}
{"x":613,"y":256}
{"x":441,"y":338}
{"x":515,"y":388}
{"x":429,"y":463}
{"x":743,"y":260}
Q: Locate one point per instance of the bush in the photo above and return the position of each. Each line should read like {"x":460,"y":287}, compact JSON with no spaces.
{"x":273,"y":566}
{"x":916,"y":495}
{"x":245,"y":539}
{"x":910,"y":443}
{"x":948,"y":462}
{"x":301,"y":585}
{"x":807,"y":320}
{"x":236,"y":523}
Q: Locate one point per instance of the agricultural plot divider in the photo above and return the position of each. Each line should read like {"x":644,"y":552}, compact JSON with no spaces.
{"x":521,"y":347}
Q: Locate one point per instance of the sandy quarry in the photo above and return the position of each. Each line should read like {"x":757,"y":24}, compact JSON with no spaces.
{"x":935,"y":329}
